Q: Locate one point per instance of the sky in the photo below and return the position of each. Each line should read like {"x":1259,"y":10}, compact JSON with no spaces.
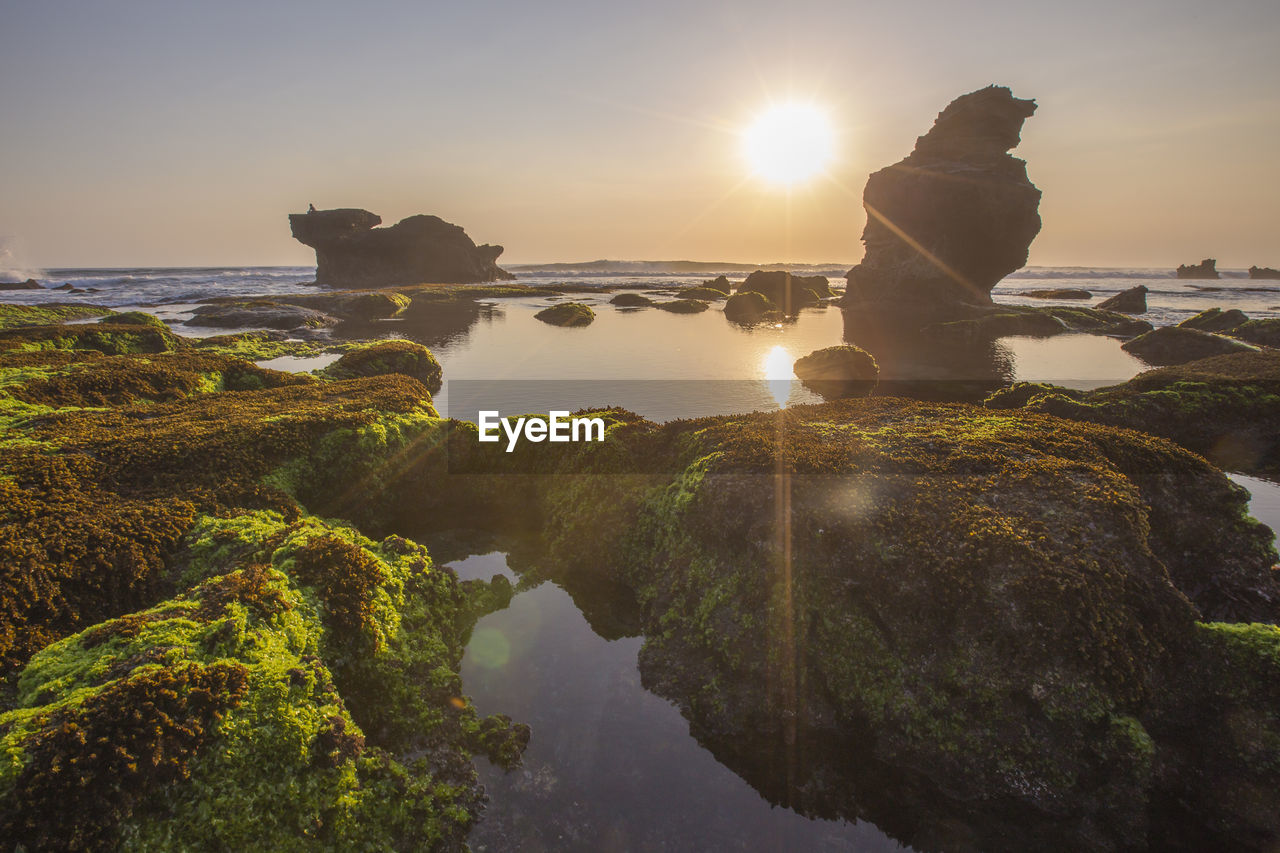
{"x":182,"y":133}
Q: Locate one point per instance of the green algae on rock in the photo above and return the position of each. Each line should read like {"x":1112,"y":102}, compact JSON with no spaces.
{"x":682,"y":306}
{"x":1179,"y":345}
{"x":384,"y":357}
{"x":16,"y":316}
{"x":105,"y":337}
{"x":631,"y":300}
{"x":1226,"y":408}
{"x":747,"y":307}
{"x":839,"y":371}
{"x":253,"y":744}
{"x":573,"y":314}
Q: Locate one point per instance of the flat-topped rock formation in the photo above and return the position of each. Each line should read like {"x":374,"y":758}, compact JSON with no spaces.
{"x":352,"y":252}
{"x":1264,"y":272}
{"x":1208,"y":268}
{"x":958,"y":214}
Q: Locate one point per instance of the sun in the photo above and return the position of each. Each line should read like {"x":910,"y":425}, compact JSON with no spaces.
{"x":789,"y":143}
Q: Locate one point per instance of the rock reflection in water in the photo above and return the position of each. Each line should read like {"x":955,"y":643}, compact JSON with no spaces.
{"x":610,"y":766}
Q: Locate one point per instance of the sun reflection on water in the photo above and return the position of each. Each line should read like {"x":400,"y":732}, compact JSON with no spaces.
{"x":776,"y":367}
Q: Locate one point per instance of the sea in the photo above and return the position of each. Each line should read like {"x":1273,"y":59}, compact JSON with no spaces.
{"x":1170,"y":300}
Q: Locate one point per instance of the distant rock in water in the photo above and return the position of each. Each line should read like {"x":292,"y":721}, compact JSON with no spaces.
{"x":29,"y":284}
{"x":1131,"y":301}
{"x":1208,"y":268}
{"x":1263,"y":272}
{"x":567,"y":314}
{"x":839,"y":371}
{"x":1060,"y":293}
{"x":788,"y":292}
{"x":351,"y":252}
{"x":957,"y":215}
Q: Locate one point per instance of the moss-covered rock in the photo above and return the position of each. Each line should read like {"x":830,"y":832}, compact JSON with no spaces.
{"x":1264,"y":333}
{"x":385,"y":357}
{"x":1215,"y":320}
{"x":682,"y":306}
{"x":1178,"y":345}
{"x":237,"y":715}
{"x":573,"y":314}
{"x":631,"y":300}
{"x":105,"y":337}
{"x":748,"y":307}
{"x":1225,"y":408}
{"x":260,"y":314}
{"x":135,"y":318}
{"x":706,"y":294}
{"x":839,"y":371}
{"x":787,"y":291}
{"x":16,"y":316}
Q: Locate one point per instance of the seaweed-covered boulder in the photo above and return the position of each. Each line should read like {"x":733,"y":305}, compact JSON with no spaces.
{"x":351,"y":252}
{"x":963,"y":625}
{"x":16,"y":316}
{"x":1057,"y":293}
{"x":1131,"y":301}
{"x":839,"y":371}
{"x":787,"y":291}
{"x":135,"y":318}
{"x":1264,"y":273}
{"x":631,"y":300}
{"x":1215,"y":320}
{"x":573,"y":314}
{"x":1261,"y":332}
{"x":748,"y":307}
{"x":379,"y":359}
{"x":1178,"y":345}
{"x":104,"y":337}
{"x":682,"y":306}
{"x":720,"y":283}
{"x":261,"y":314}
{"x":352,"y":305}
{"x":706,"y":294}
{"x":958,"y":214}
{"x":1208,"y":268}
{"x":1225,"y":408}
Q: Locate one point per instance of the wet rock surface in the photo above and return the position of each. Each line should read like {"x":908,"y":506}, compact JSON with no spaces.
{"x":1131,"y":301}
{"x":1178,"y":345}
{"x":261,"y":314}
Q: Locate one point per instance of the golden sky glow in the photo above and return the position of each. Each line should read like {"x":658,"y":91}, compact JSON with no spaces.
{"x":145,"y":133}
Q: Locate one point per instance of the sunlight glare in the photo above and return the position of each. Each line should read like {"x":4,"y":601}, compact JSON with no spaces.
{"x":777,"y":368}
{"x":789,"y":143}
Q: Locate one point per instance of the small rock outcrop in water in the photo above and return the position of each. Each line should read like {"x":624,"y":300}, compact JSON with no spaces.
{"x":839,"y":371}
{"x":789,"y":292}
{"x":1208,"y":268}
{"x":1176,"y":345}
{"x":1215,"y":320}
{"x":1131,"y":301}
{"x":351,"y":252}
{"x":29,"y":284}
{"x":1060,"y":293}
{"x":957,"y":215}
{"x":1263,"y":272}
{"x":747,"y":307}
{"x":567,"y":314}
{"x":631,"y":300}
{"x":260,"y":315}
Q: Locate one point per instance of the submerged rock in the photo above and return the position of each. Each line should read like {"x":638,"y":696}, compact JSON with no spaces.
{"x":567,"y":314}
{"x":29,"y":284}
{"x":1178,"y":345}
{"x":1263,"y":272}
{"x":788,"y":292}
{"x":1205,"y":269}
{"x":1131,"y":301}
{"x":839,"y":371}
{"x":954,"y":217}
{"x":351,"y":252}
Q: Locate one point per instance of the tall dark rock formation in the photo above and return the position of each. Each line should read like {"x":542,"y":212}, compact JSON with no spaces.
{"x":957,"y":215}
{"x":351,"y":252}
